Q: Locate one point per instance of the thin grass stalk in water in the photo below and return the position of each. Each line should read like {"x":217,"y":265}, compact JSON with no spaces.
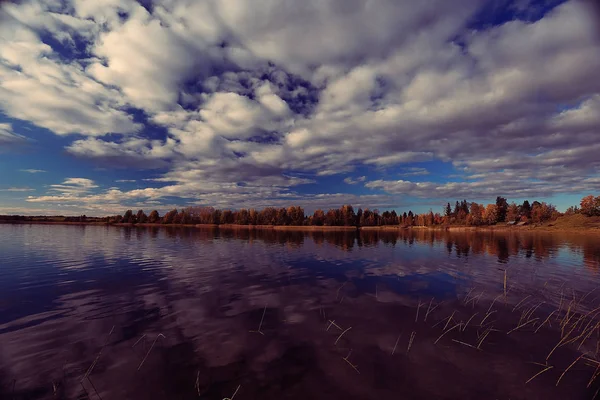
{"x":355,"y":367}
{"x":197,"y":385}
{"x":568,"y":368}
{"x":486,"y":317}
{"x":396,"y":345}
{"x":546,"y":320}
{"x":588,"y":335}
{"x":469,"y":320}
{"x":449,"y":319}
{"x":91,"y":368}
{"x":519,"y":303}
{"x":539,"y":373}
{"x":149,"y":350}
{"x":465,"y":344}
{"x":532,"y":310}
{"x":468,"y":294}
{"x":594,"y":376}
{"x":475,"y":299}
{"x":432,"y":309}
{"x":334,"y":324}
{"x":418,"y":308}
{"x":487,"y":332}
{"x":522,"y":325}
{"x":233,"y":395}
{"x":493,"y":302}
{"x":139,"y":340}
{"x":410,"y":342}
{"x":261,"y":322}
{"x":442,"y":335}
{"x":341,"y":334}
{"x":428,"y":308}
{"x":560,"y":342}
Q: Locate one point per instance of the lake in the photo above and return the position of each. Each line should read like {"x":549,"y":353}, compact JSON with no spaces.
{"x":172,"y":313}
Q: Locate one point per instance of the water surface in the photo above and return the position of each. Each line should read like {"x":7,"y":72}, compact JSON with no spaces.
{"x":167,"y":313}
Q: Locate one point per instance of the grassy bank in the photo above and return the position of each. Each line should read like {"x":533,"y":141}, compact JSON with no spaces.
{"x":566,"y":223}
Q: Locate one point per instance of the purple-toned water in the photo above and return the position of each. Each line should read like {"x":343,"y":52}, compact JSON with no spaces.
{"x":163,"y":313}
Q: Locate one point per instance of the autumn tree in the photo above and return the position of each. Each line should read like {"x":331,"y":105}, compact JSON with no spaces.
{"x":226,"y":217}
{"x":252,"y":217}
{"x":141,"y":217}
{"x":490,"y":215}
{"x":429,"y":219}
{"x":357,"y":219}
{"x":512,"y":212}
{"x":502,"y":208}
{"x":541,"y":212}
{"x":572,"y":210}
{"x":282,"y":217}
{"x":347,"y":215}
{"x":475,"y":216}
{"x":128,"y":217}
{"x":318,"y":218}
{"x":590,"y":206}
{"x":268,"y":216}
{"x":216,"y":217}
{"x":410,"y":220}
{"x":525,"y":210}
{"x":177,"y":217}
{"x":154,"y":217}
{"x":332,"y":217}
{"x":169,"y":217}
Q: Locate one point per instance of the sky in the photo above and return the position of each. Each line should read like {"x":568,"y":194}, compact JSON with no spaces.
{"x":109,"y":105}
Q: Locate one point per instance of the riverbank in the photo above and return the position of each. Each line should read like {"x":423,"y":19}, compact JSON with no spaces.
{"x":571,"y":223}
{"x":568,"y":223}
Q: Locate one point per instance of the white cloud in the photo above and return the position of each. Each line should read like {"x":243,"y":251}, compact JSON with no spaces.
{"x":8,"y":137}
{"x":245,"y":93}
{"x":17,"y":189}
{"x":38,"y":87}
{"x":351,"y":181}
{"x":136,"y":152}
{"x":33,"y":171}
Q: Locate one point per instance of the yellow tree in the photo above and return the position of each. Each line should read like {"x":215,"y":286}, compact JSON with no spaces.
{"x":490,"y":215}
{"x":475,"y":216}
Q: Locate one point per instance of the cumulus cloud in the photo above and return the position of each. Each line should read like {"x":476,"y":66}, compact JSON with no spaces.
{"x":251,"y":96}
{"x":130,"y":152}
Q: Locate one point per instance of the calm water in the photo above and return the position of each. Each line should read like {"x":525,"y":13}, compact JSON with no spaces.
{"x":127,"y":313}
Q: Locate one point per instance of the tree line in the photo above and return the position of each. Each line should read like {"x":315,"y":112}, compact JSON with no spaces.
{"x":462,"y":213}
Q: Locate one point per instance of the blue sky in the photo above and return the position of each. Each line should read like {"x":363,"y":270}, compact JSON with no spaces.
{"x":390,"y":104}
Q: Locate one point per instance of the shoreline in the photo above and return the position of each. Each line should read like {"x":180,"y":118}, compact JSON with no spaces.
{"x":303,"y":228}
